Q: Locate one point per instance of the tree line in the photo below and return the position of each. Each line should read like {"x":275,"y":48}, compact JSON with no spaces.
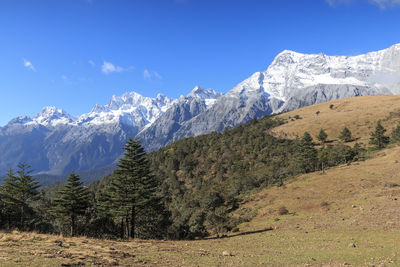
{"x":189,"y":189}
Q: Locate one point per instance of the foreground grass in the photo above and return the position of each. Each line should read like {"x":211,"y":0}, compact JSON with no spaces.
{"x":357,"y":204}
{"x":268,"y":248}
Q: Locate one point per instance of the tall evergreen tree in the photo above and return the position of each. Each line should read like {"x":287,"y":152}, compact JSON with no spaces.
{"x":73,"y":201}
{"x":18,"y":191}
{"x":378,"y":138}
{"x":26,"y":188}
{"x":305,"y":155}
{"x":9,"y":210}
{"x":133,"y":193}
{"x":345,"y":135}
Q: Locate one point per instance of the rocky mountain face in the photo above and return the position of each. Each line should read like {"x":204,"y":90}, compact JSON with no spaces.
{"x":55,"y":142}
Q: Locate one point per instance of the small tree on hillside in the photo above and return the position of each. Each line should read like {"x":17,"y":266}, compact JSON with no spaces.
{"x":322,"y":136}
{"x":345,"y":135}
{"x":378,"y":138}
{"x":395,"y":136}
{"x":73,"y":201}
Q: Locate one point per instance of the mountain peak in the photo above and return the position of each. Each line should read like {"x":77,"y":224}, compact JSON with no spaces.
{"x":50,"y":115}
{"x":204,"y":93}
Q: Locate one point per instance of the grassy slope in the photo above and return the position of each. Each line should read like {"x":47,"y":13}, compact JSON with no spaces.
{"x":359,"y":114}
{"x":347,"y":204}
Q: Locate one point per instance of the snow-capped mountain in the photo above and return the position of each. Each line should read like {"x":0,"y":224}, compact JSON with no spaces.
{"x":56,"y":142}
{"x":295,"y":80}
{"x":163,"y":130}
{"x":48,"y":116}
{"x":131,"y":109}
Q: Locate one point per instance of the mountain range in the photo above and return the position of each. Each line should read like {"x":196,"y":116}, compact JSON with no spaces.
{"x":56,"y":143}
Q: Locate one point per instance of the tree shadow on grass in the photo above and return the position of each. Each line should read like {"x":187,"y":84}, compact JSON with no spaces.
{"x":239,"y":234}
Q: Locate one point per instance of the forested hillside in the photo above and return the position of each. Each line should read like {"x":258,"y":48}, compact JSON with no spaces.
{"x":188,"y":189}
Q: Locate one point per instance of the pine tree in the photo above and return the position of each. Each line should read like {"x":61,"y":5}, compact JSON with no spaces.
{"x":322,"y":136}
{"x":26,"y":188}
{"x":9,"y":210}
{"x":18,"y":191}
{"x":73,"y":201}
{"x":132,"y":193}
{"x":345,"y":135}
{"x":378,"y":138}
{"x":395,"y":136}
{"x":305,"y":155}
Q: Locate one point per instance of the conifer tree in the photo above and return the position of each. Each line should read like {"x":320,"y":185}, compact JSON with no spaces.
{"x":378,"y":138}
{"x":305,"y":155}
{"x":322,"y":136}
{"x":395,"y":136}
{"x":132,"y":193}
{"x":26,"y":188}
{"x":345,"y":135}
{"x":73,"y":201}
{"x":8,"y":202}
{"x":17,"y":191}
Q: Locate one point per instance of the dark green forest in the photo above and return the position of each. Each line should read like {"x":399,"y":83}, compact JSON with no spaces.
{"x":189,"y":189}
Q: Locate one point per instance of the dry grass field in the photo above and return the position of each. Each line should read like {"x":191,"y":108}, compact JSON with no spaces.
{"x":347,"y":216}
{"x":357,"y":204}
{"x":359,"y":114}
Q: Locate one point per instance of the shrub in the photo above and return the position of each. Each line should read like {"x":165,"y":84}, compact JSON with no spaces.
{"x":282,"y":210}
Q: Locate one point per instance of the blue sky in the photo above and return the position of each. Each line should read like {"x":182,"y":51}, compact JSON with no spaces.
{"x":74,"y":54}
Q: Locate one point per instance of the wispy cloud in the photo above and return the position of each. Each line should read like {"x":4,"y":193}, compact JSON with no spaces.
{"x":64,"y":78}
{"x":157,"y":75}
{"x":381,"y":3}
{"x":109,"y":67}
{"x":386,"y":3}
{"x":29,"y":64}
{"x":91,"y":62}
{"x":148,"y":75}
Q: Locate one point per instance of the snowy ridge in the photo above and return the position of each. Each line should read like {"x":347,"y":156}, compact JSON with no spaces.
{"x":209,"y":96}
{"x":131,"y":109}
{"x":291,"y":72}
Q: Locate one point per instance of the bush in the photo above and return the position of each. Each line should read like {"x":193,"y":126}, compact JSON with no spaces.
{"x":282,"y":210}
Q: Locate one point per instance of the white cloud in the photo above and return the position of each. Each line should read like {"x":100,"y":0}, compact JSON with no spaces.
{"x":157,"y":75}
{"x":381,"y":3}
{"x":148,"y":75}
{"x":64,"y":78}
{"x":91,"y":62}
{"x":386,"y":3}
{"x":109,"y":67}
{"x":28,"y":64}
